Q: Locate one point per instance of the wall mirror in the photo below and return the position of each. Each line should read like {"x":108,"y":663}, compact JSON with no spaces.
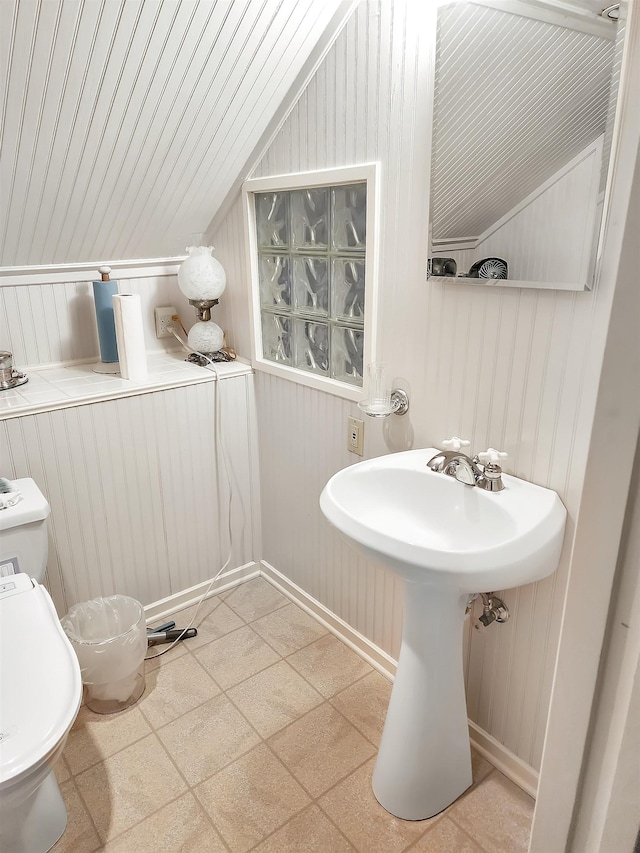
{"x":525,"y":95}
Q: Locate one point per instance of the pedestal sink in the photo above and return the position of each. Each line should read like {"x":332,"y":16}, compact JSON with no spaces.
{"x":446,"y":540}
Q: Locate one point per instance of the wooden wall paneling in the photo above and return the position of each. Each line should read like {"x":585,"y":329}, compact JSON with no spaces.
{"x":507,"y":368}
{"x":132,"y":489}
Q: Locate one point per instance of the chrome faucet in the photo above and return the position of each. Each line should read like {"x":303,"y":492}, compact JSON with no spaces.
{"x":467,"y":470}
{"x":457,"y":465}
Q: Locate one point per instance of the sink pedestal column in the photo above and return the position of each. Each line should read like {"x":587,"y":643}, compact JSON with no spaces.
{"x":424,"y":760}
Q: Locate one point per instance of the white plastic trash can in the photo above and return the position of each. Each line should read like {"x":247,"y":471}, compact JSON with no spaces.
{"x":109,"y":636}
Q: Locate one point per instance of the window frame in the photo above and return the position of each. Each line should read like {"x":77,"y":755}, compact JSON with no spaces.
{"x":368,"y":173}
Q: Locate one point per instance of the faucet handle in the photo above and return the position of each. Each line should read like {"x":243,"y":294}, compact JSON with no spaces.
{"x":492,"y":456}
{"x":455,"y":443}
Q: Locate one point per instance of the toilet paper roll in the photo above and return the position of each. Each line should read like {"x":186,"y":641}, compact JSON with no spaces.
{"x":102,"y":293}
{"x":127,"y":312}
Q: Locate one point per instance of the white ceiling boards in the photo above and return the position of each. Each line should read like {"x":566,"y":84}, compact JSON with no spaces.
{"x":524,"y":102}
{"x":125,"y":123}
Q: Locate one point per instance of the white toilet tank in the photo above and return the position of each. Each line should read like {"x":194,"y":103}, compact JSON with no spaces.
{"x":23,"y":533}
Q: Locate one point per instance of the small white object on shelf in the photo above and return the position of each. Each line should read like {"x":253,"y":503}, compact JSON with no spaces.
{"x":127,"y":313}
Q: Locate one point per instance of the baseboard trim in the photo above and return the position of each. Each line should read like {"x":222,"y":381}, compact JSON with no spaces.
{"x":374,"y":655}
{"x":507,"y":762}
{"x":188,"y":597}
{"x":514,"y":768}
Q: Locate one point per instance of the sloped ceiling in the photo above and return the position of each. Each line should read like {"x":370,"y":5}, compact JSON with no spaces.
{"x":125,"y":122}
{"x":516,"y":99}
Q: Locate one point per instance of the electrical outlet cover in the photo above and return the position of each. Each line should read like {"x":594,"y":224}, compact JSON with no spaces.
{"x":355,"y":435}
{"x":163,"y":316}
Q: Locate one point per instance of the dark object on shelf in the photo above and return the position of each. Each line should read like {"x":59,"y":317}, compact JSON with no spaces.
{"x":441,"y":266}
{"x":225,"y":354}
{"x":489,"y":268}
{"x":9,"y":377}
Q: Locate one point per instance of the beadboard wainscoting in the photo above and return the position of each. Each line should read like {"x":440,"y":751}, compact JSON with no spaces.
{"x":515,"y":369}
{"x":138,"y":490}
{"x":507,"y":667}
{"x":510,"y":368}
{"x":53,"y":323}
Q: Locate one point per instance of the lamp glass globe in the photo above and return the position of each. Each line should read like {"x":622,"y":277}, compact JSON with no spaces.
{"x":206,"y":336}
{"x":201,"y":276}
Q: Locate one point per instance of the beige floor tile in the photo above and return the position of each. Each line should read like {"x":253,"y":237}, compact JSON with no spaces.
{"x":174,"y":689}
{"x":446,"y":837}
{"x":128,"y":787}
{"x":289,"y":629}
{"x":274,"y":698}
{"x":236,"y":656}
{"x":213,"y":621}
{"x":251,"y":798}
{"x":354,"y":809}
{"x":166,"y":653}
{"x":254,"y":599}
{"x":497,"y":814}
{"x":310,"y":831}
{"x":61,"y":770}
{"x":321,"y":748}
{"x":205,"y":739}
{"x":80,"y":835}
{"x":181,"y":826}
{"x":95,"y":737}
{"x":329,"y":665}
{"x":480,"y":767}
{"x":365,"y":704}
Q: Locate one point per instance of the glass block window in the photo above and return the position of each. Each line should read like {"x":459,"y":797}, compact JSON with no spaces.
{"x":311,"y":262}
{"x":313,"y":244}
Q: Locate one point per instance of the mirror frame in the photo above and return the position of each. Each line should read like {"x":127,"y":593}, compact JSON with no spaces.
{"x":594,"y":261}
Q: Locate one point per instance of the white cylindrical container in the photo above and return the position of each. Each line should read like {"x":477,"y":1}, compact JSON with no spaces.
{"x":109,"y":636}
{"x":127,"y":312}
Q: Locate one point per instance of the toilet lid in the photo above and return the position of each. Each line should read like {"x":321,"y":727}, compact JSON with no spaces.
{"x":40,"y":683}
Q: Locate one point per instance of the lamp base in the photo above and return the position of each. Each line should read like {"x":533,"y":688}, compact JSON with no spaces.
{"x":202,"y":360}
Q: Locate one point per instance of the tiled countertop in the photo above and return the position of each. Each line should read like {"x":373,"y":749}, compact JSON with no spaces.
{"x":61,"y":387}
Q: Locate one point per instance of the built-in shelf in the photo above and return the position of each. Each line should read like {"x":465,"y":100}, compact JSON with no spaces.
{"x":64,"y":386}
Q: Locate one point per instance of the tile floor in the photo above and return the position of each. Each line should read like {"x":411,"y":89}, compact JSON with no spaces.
{"x":260,"y":734}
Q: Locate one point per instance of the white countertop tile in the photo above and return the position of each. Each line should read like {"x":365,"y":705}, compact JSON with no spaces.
{"x":59,"y":387}
{"x":46,"y":396}
{"x":9,"y":404}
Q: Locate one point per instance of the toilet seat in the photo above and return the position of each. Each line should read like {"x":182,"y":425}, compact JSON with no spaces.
{"x":40,"y":683}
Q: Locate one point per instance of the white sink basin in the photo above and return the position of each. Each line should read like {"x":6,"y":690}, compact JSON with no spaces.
{"x":428,"y":526}
{"x":446,"y":540}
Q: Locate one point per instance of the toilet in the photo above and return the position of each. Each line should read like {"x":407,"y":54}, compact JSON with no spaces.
{"x":40,"y":684}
